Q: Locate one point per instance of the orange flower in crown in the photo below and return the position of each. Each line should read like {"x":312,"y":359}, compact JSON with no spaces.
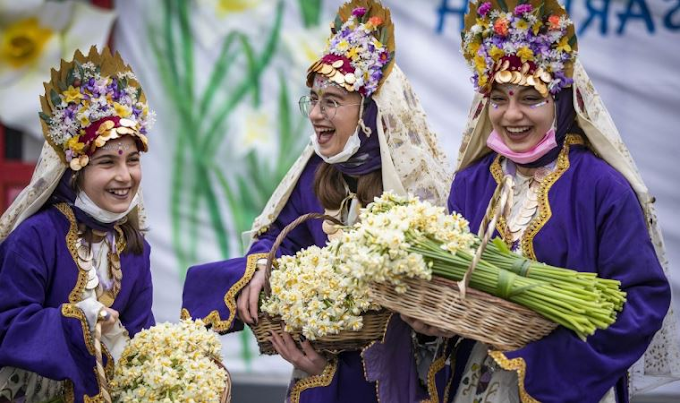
{"x":525,"y":42}
{"x":360,"y":53}
{"x":90,"y":101}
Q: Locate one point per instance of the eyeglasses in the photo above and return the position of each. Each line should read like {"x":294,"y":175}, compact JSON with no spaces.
{"x":328,"y":106}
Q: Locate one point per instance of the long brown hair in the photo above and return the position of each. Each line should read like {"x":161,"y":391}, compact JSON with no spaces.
{"x":133,"y":234}
{"x":329,"y":186}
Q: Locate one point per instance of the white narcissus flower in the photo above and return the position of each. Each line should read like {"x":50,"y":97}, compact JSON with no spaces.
{"x":170,"y":361}
{"x":34,"y":37}
{"x":255,"y":130}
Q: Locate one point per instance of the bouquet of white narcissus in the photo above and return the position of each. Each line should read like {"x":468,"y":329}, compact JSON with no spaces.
{"x":314,"y":296}
{"x":170,"y":362}
{"x":402,"y":237}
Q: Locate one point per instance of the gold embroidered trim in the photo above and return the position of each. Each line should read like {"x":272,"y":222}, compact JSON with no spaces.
{"x":213,"y":318}
{"x":544,"y":211}
{"x":69,"y":394}
{"x":501,"y":224}
{"x":315,"y":381}
{"x":71,"y":239}
{"x":435,"y":367}
{"x":72,"y":311}
{"x":518,"y":365}
{"x":76,"y":294}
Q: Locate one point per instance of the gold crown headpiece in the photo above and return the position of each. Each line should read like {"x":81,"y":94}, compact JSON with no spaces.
{"x":522,"y":42}
{"x":360,"y":52}
{"x":89,"y":101}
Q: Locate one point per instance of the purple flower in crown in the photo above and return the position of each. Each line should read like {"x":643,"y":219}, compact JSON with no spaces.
{"x":523,"y":9}
{"x":484,"y":9}
{"x":359,"y":12}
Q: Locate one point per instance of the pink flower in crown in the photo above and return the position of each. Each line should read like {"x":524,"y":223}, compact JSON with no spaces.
{"x":359,"y":11}
{"x":484,"y":9}
{"x":523,"y":9}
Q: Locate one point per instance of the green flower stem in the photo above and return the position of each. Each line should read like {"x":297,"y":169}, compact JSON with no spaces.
{"x":574,"y":301}
{"x":311,"y":12}
{"x":225,"y":111}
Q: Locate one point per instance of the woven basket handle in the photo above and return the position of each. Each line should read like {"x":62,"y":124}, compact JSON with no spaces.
{"x":499,"y":202}
{"x":279,"y":240}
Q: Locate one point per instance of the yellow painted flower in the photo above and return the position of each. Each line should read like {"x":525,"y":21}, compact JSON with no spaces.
{"x":72,"y":95}
{"x":75,"y":145}
{"x":23,"y":41}
{"x":496,"y":53}
{"x":483,"y":22}
{"x":480,"y":64}
{"x":121,"y":110}
{"x":525,"y":53}
{"x":84,"y":120}
{"x":473,"y":48}
{"x":343,"y":45}
{"x":483,"y":80}
{"x":353,"y":53}
{"x":537,"y":27}
{"x":225,"y":7}
{"x":563,"y":45}
{"x":522,"y":25}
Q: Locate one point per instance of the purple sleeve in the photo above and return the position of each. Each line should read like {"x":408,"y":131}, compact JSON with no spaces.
{"x":54,"y":342}
{"x":211,"y":289}
{"x":554,"y":364}
{"x":455,"y":201}
{"x":138,"y":314}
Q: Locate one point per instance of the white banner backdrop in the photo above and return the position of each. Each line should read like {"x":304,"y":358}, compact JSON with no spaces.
{"x":249,"y":128}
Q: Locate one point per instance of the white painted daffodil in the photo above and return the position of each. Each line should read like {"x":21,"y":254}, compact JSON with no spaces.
{"x":34,"y":36}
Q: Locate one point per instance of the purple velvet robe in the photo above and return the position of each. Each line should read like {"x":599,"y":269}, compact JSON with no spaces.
{"x":210,"y":292}
{"x":597,"y":225}
{"x":41,"y":329}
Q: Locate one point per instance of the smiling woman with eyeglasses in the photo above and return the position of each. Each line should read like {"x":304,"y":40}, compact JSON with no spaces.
{"x":369,"y":134}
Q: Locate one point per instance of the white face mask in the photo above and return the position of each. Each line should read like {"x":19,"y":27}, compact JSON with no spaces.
{"x":86,"y":204}
{"x":351,"y":147}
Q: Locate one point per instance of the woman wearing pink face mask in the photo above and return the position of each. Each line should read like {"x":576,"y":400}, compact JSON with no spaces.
{"x":578,"y":202}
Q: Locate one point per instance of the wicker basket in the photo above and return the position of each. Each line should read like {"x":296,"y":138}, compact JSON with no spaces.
{"x":373,"y":329}
{"x":470,"y":313}
{"x":225,"y":397}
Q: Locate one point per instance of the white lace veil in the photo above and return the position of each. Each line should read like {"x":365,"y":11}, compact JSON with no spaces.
{"x":412,"y":161}
{"x":661,"y":362}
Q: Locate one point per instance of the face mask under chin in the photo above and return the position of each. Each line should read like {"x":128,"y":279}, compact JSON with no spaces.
{"x":351,"y":147}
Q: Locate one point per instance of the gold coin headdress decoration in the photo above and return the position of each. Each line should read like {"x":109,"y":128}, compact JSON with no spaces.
{"x":529,"y":43}
{"x":89,"y":101}
{"x":360,"y":52}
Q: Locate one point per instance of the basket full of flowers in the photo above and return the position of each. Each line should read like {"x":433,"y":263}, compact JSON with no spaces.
{"x":177,"y":361}
{"x":309,"y":296}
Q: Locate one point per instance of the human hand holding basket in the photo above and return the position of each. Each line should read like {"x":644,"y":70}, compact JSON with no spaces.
{"x":374,"y":322}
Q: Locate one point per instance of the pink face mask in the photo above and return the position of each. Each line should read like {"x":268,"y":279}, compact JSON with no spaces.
{"x":547,"y":143}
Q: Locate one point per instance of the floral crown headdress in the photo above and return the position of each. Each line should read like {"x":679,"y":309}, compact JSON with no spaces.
{"x":89,"y":101}
{"x":360,"y":52}
{"x":523,"y":42}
